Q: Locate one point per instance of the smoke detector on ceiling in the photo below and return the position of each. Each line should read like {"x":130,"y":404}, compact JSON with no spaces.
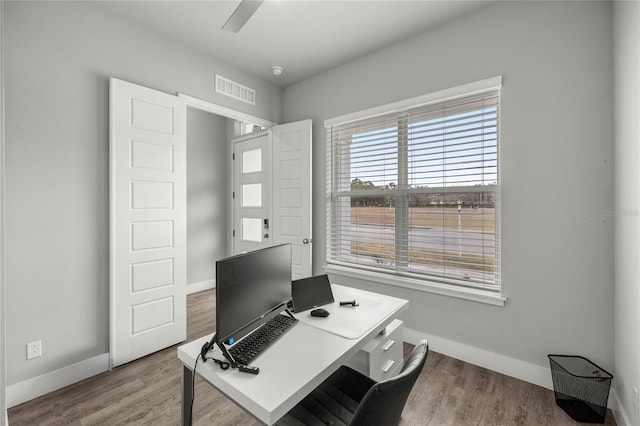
{"x":277,"y":70}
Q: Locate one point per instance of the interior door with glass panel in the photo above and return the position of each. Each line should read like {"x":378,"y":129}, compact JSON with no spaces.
{"x":251,"y":193}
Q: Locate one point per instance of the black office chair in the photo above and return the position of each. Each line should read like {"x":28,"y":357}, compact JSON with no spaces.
{"x":350,"y":398}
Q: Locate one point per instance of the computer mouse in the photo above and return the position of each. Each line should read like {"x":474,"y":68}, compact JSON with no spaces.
{"x":320,"y":312}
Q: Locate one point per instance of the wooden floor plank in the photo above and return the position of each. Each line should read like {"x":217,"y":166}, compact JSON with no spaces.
{"x":148,"y":392}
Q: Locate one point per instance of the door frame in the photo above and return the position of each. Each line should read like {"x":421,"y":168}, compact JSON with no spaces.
{"x":223,"y":111}
{"x":213,"y":108}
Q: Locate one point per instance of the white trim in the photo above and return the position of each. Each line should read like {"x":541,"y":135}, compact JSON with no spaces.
{"x":466,"y":293}
{"x":207,"y":106}
{"x":619,"y":412}
{"x":512,"y":367}
{"x":422,"y":100}
{"x":201,"y":286}
{"x":57,"y":379}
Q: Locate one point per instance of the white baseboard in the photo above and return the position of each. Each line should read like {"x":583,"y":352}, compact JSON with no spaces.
{"x":619,"y":413}
{"x":200,"y":286}
{"x":502,"y":364}
{"x":512,"y":367}
{"x":508,"y":366}
{"x":37,"y":386}
{"x":54,"y":380}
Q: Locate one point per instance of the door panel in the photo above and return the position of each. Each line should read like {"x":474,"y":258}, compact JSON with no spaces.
{"x":148,"y":221}
{"x":292,"y":193}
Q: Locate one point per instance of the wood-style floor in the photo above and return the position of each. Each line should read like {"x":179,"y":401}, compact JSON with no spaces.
{"x":148,"y":392}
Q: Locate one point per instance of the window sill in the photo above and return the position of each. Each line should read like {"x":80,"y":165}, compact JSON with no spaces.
{"x":475,"y":295}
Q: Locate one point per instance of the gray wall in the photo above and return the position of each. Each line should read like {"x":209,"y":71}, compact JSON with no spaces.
{"x":627,"y":207}
{"x":207,"y":192}
{"x":3,"y":399}
{"x":556,"y":152}
{"x":59,"y":56}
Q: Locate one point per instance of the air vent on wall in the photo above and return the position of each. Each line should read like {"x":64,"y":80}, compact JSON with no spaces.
{"x":237,"y":91}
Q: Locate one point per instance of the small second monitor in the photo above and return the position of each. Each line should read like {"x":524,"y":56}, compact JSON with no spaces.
{"x":311,"y":292}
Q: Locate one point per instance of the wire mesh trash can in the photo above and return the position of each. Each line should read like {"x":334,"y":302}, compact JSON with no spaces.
{"x":581,"y":387}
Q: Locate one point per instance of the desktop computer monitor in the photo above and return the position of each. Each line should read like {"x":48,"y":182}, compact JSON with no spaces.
{"x":249,"y":286}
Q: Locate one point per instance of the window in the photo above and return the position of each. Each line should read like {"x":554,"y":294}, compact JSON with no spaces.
{"x":413,"y":191}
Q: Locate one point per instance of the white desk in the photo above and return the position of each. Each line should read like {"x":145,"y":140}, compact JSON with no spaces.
{"x":299,"y":360}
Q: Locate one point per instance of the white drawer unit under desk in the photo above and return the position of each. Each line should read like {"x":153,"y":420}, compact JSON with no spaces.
{"x":382,"y":357}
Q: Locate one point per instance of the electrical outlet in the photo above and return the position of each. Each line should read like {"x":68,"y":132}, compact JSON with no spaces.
{"x":636,"y":400}
{"x":34,"y":349}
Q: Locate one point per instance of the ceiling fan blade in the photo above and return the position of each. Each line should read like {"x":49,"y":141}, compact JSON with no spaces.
{"x":241,"y":15}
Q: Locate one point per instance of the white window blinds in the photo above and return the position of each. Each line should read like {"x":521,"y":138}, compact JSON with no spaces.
{"x":415,"y":192}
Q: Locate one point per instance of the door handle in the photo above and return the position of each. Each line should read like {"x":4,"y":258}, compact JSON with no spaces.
{"x":305,"y":241}
{"x":266,"y":236}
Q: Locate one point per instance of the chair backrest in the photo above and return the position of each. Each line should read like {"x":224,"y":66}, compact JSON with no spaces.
{"x":384,"y":402}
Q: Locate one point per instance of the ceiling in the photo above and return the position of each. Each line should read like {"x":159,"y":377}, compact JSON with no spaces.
{"x":305,"y":37}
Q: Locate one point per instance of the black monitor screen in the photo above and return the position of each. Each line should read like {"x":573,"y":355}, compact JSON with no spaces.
{"x":250,"y":285}
{"x":311,"y":292}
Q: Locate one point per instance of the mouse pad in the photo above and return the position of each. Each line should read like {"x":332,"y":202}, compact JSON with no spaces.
{"x":353,"y":322}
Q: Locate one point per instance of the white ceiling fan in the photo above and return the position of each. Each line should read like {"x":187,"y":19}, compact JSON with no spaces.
{"x":241,"y":15}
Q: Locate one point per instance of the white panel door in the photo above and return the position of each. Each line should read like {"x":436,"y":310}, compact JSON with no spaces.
{"x":148,"y":221}
{"x":252,"y":196}
{"x":292,"y":219}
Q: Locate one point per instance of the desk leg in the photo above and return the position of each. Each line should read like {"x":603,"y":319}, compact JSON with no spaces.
{"x":187,"y":395}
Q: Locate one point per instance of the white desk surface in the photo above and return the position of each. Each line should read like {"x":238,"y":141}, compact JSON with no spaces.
{"x":302,"y":358}
{"x":349,"y":321}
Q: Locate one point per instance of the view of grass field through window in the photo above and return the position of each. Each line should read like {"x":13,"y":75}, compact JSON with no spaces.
{"x":470,"y":255}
